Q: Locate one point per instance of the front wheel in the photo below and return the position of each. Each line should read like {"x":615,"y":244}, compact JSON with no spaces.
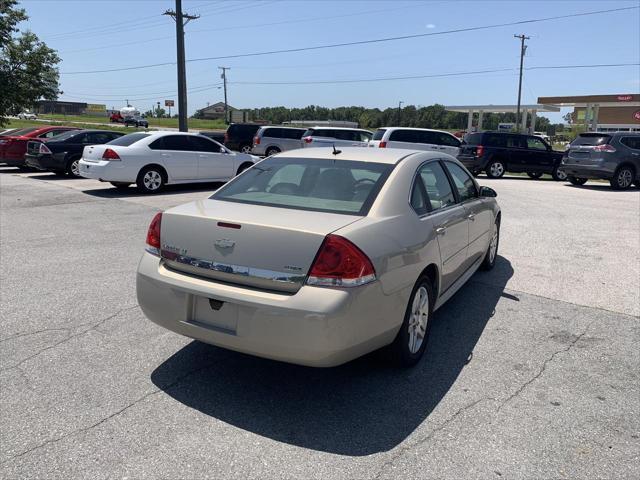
{"x":150,"y":180}
{"x":559,"y":175}
{"x":73,"y":168}
{"x":623,"y":178}
{"x":411,"y":341}
{"x":576,"y":181}
{"x":272,"y":151}
{"x":534,"y":175}
{"x":245,"y":148}
{"x":495,"y":169}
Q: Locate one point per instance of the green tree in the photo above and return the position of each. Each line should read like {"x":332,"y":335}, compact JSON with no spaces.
{"x":28,"y":69}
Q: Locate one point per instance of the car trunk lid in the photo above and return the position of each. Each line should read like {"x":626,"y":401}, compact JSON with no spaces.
{"x":93,"y":153}
{"x":261,"y":247}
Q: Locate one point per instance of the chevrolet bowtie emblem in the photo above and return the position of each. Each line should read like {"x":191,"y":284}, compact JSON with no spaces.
{"x":224,"y":243}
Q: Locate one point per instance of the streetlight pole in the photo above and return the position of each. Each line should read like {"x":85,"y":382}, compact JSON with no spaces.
{"x":400,"y":112}
{"x":226,"y":105}
{"x":523,"y":48}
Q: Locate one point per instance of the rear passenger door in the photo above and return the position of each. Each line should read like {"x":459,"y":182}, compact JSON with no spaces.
{"x":538,"y":156}
{"x":291,"y":138}
{"x":516,"y":152}
{"x":213,"y":162}
{"x":447,"y":143}
{"x":405,"y":139}
{"x":174,"y":152}
{"x":447,"y":218}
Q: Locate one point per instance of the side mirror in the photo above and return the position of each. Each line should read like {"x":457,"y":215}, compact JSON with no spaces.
{"x":488,"y":192}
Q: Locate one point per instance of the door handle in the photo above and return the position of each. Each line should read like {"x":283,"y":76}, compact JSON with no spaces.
{"x":472,"y":217}
{"x":165,"y":154}
{"x":441,"y":230}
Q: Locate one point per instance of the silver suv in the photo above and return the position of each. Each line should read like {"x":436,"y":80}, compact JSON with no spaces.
{"x":271,"y":140}
{"x":336,"y":136}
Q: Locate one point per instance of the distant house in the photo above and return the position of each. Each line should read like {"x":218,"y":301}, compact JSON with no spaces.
{"x":212,"y":112}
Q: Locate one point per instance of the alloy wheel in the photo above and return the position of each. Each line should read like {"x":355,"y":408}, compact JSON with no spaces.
{"x":496,"y":169}
{"x":75,"y":168}
{"x":246,"y":149}
{"x":152,"y":180}
{"x":625,"y":178}
{"x":493,"y":246}
{"x":418,"y":319}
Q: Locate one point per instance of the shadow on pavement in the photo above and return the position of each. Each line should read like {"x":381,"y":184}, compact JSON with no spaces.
{"x":601,"y":187}
{"x":112,"y":192}
{"x":360,"y":408}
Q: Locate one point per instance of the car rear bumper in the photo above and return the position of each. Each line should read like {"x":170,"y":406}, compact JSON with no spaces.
{"x":319,"y":327}
{"x":587,"y":171}
{"x":106,"y":171}
{"x":473,"y":164}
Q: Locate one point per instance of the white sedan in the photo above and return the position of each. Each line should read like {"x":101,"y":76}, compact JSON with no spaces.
{"x":154,"y":159}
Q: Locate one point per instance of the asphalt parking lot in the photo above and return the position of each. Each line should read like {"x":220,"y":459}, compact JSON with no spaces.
{"x":532,"y":370}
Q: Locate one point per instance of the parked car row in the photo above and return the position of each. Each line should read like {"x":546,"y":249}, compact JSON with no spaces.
{"x":13,"y":145}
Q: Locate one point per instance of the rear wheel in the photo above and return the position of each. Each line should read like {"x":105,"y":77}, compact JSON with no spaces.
{"x":559,"y":175}
{"x":245,"y":148}
{"x":623,"y":178}
{"x":495,"y":169}
{"x":411,"y":341}
{"x":73,"y":168}
{"x":534,"y":175}
{"x":150,"y":180}
{"x":272,"y":151}
{"x":492,"y":251}
{"x":243,"y":167}
{"x":576,"y":180}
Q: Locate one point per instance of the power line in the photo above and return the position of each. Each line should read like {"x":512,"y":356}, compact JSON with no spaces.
{"x":361,"y":42}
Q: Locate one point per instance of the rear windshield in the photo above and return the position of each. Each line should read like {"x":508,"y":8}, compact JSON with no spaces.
{"x":379,"y":134}
{"x":127,"y":140}
{"x":473,"y":138}
{"x":591,"y":139}
{"x":319,"y":185}
{"x":22,"y":131}
{"x":65,"y":135}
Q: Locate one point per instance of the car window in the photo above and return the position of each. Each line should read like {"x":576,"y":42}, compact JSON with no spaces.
{"x":309,"y":184}
{"x":346,"y":135}
{"x":418,"y":201}
{"x":97,"y":138}
{"x":495,"y":140}
{"x":379,"y":134}
{"x":514,"y":141}
{"x":462,"y":181}
{"x":365,"y":136}
{"x":272,"y":132}
{"x":474,"y":139}
{"x":292,"y":133}
{"x":446,"y":139}
{"x":179,"y":143}
{"x":631,"y":142}
{"x":535,"y":144}
{"x":52,"y":133}
{"x":408,"y":136}
{"x":320,"y":132}
{"x":201,"y":144}
{"x":437,"y":186}
{"x":591,"y":139}
{"x":127,"y":140}
{"x":22,"y":131}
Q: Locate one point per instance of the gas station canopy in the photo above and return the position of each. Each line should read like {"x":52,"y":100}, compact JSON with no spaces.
{"x":482,"y":109}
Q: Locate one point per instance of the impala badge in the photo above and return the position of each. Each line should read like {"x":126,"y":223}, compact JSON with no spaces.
{"x":224,"y":243}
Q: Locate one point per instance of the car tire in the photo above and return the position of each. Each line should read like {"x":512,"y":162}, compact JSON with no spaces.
{"x":121,"y":186}
{"x":272,"y":151}
{"x":489,"y":260}
{"x":559,"y":175}
{"x":151,"y":179}
{"x":534,"y":175}
{"x":245,"y":148}
{"x":623,"y":178}
{"x":495,"y":169}
{"x":411,"y":340}
{"x":576,"y":181}
{"x":244,"y":167}
{"x":73,"y":167}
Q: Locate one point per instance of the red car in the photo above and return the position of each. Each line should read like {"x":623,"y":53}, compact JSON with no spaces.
{"x":13,"y":147}
{"x":116,"y":118}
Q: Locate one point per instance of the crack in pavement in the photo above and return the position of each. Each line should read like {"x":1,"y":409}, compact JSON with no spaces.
{"x":110,"y":416}
{"x":543,"y":368}
{"x":26,"y":334}
{"x":403,"y":450}
{"x":70,"y":337}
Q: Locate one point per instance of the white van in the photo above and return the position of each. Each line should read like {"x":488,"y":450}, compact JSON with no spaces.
{"x":416,"y":139}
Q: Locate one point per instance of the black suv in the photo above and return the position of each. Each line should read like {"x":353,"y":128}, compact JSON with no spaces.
{"x":239,"y":136}
{"x":611,"y":156}
{"x":497,"y":153}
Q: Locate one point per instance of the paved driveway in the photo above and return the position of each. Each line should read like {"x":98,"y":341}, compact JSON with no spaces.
{"x":532,"y":368}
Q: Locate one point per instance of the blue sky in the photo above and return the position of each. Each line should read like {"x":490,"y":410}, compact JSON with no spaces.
{"x":97,"y":34}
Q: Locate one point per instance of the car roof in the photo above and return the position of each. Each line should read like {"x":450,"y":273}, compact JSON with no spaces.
{"x":359,"y":154}
{"x":414,"y":128}
{"x":326,"y":127}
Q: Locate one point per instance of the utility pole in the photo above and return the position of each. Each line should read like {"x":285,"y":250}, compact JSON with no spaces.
{"x":523,"y":48}
{"x":181,"y":20}
{"x":226,"y":105}
{"x":399,"y":112}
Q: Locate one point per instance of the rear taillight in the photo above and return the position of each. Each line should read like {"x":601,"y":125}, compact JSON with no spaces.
{"x":307,"y":139}
{"x":110,"y":155}
{"x":382,"y":145}
{"x":339,"y":263}
{"x":604,"y":148}
{"x":153,"y":235}
{"x":479,"y":151}
{"x":44,"y":149}
{"x":256,"y":140}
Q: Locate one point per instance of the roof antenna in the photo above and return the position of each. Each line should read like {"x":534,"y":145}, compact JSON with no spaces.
{"x":336,"y":152}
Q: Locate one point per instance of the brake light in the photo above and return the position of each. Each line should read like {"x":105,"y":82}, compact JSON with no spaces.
{"x":153,"y":235}
{"x":604,"y":148}
{"x":256,"y":140}
{"x":382,"y":145}
{"x":307,"y":139}
{"x":44,"y":149}
{"x":339,"y":263}
{"x":479,"y":150}
{"x":110,"y":154}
